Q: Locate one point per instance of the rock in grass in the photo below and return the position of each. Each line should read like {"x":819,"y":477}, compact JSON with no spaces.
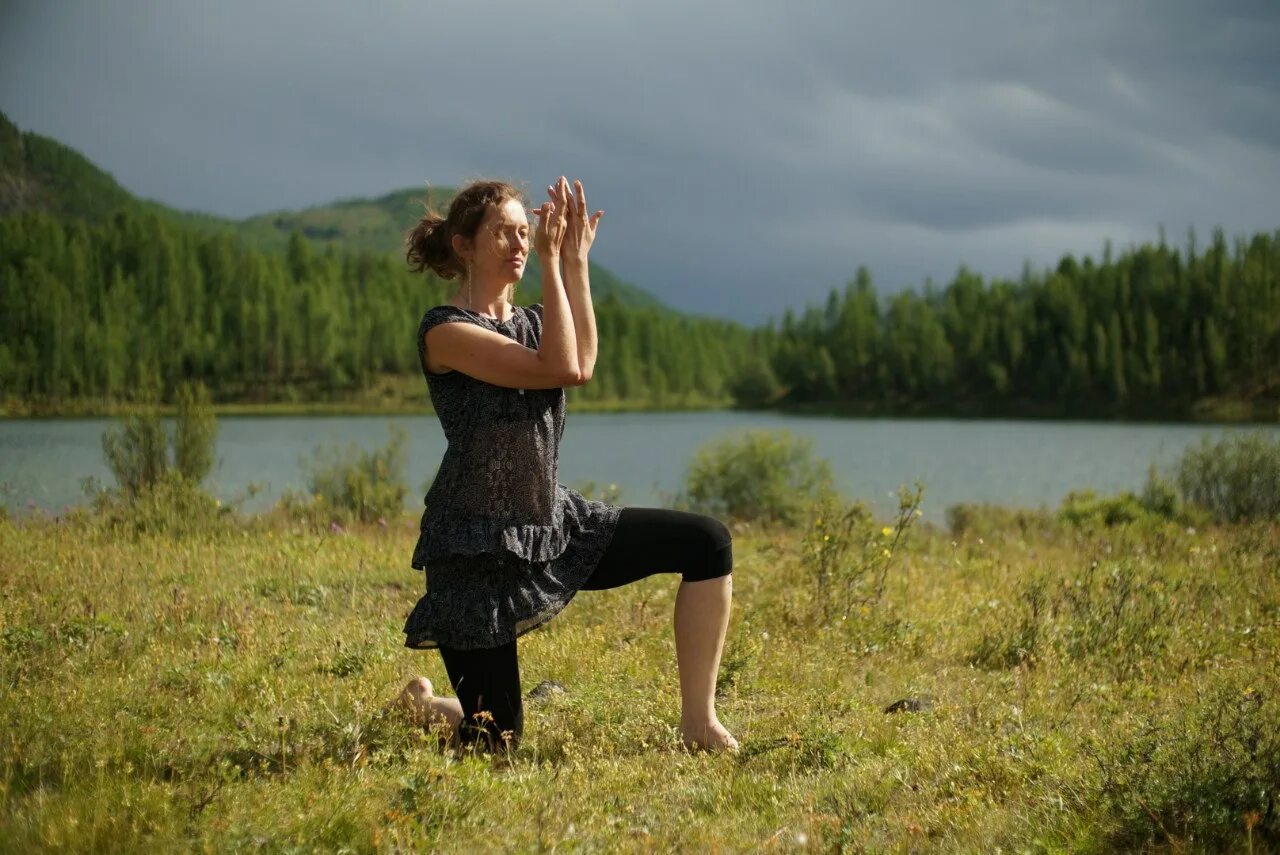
{"x":922,"y":704}
{"x":545,"y":689}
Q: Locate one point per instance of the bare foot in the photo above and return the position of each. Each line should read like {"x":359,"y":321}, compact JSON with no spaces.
{"x":706,"y":736}
{"x":415,"y":699}
{"x":418,"y":700}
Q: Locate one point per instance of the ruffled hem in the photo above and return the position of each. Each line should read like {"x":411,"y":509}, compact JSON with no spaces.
{"x":575,"y":517}
{"x":424,"y":631}
{"x":491,"y":600}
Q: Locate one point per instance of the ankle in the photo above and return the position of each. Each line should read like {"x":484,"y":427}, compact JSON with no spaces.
{"x":699,"y":719}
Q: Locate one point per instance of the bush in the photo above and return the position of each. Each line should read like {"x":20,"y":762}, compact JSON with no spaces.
{"x":173,"y":505}
{"x":987,"y":520}
{"x":353,"y":483}
{"x":1204,"y":772}
{"x":195,"y":433}
{"x":1236,"y":478}
{"x":757,"y":475}
{"x":137,"y":449}
{"x":1081,"y":507}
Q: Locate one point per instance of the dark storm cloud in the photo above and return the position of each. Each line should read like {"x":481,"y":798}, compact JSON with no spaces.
{"x":749,"y":158}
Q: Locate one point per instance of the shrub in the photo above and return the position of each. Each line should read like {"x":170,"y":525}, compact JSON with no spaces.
{"x":1159,"y":496}
{"x":195,"y":433}
{"x":1204,"y":772}
{"x":1081,"y":507}
{"x":988,"y":520}
{"x":757,"y":475}
{"x":137,"y":449}
{"x":1236,"y":478}
{"x":354,"y":483}
{"x":172,"y":504}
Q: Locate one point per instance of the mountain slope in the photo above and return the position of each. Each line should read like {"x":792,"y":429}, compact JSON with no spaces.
{"x":38,"y":173}
{"x":379,"y":225}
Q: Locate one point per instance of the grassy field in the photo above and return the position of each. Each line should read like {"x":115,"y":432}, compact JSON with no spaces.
{"x":1076,"y":689}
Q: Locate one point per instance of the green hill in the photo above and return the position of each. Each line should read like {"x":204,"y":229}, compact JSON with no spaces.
{"x":38,"y":173}
{"x":379,"y":224}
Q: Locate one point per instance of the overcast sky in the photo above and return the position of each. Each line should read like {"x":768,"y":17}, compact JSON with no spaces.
{"x":749,"y":156}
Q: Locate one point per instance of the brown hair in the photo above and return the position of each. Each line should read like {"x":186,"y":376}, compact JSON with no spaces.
{"x":429,"y":244}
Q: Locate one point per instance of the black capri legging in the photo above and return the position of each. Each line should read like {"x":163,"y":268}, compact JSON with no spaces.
{"x":646,"y":541}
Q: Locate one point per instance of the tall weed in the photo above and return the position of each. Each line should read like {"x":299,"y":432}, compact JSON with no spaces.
{"x":848,"y":554}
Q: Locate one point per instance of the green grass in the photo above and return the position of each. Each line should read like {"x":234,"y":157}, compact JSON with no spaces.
{"x":1091,"y":689}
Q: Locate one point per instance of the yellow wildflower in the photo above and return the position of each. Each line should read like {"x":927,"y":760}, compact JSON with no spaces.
{"x":886,"y":531}
{"x":886,"y":553}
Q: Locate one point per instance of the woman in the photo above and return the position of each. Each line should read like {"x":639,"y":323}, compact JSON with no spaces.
{"x":504,"y":546}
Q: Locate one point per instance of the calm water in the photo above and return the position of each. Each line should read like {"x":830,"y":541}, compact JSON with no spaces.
{"x":1011,"y":462}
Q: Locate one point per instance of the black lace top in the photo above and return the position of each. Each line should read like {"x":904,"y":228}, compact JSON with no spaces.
{"x":505,"y":546}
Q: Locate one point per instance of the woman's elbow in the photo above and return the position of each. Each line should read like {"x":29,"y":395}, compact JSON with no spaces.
{"x":578,"y":378}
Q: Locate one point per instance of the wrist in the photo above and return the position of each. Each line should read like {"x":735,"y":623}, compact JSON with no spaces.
{"x":575,"y":260}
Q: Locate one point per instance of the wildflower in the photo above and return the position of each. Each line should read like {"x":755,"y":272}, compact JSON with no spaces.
{"x":335,"y":528}
{"x":919,"y":512}
{"x":819,"y":521}
{"x":886,"y":531}
{"x":826,"y":537}
{"x":885,"y":552}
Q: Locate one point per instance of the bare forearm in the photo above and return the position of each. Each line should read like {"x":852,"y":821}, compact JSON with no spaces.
{"x":578,"y":288}
{"x":559,"y":343}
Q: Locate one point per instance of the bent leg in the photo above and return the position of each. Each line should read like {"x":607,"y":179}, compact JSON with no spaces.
{"x":659,"y":540}
{"x":699,"y":547}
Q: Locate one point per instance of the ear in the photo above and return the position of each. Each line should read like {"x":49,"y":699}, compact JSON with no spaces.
{"x":461,"y":246}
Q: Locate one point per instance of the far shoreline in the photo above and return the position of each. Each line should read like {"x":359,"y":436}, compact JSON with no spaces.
{"x":1232,"y":412}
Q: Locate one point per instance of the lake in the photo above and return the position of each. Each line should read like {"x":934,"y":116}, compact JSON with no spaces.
{"x":1025,"y":463}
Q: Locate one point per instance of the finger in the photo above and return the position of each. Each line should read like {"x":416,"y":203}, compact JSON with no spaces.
{"x":595,"y":218}
{"x":571,"y":208}
{"x":562,"y":195}
{"x":581,"y":197}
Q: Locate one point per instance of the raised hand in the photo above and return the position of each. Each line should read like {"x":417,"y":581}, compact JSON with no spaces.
{"x":552,"y":222}
{"x":580,"y":232}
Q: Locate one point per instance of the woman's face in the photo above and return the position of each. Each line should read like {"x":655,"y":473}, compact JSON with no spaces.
{"x":501,"y":246}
